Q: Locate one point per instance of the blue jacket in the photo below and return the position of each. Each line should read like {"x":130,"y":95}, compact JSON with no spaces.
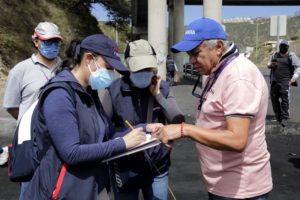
{"x":78,"y":131}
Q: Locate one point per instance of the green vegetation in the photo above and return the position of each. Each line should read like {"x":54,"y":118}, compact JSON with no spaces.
{"x":18,"y":18}
{"x":121,"y":37}
{"x":244,"y":34}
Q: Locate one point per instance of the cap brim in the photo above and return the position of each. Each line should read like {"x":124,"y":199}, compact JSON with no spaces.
{"x":50,"y":37}
{"x":116,"y":64}
{"x":138,"y":63}
{"x":185,"y":46}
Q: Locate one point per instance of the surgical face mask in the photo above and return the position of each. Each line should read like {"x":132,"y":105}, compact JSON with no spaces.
{"x":101,"y":78}
{"x":49,"y":49}
{"x":283,"y":49}
{"x":141,"y":79}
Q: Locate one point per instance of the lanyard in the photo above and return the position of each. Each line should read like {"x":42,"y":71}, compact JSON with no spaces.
{"x":213,"y":79}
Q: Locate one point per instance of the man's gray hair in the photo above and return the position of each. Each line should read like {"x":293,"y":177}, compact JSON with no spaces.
{"x":213,"y":43}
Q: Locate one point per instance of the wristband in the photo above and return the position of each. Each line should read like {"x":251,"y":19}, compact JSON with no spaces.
{"x":181,"y":129}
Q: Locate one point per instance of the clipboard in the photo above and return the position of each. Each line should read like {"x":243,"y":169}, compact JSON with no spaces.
{"x":147,"y":144}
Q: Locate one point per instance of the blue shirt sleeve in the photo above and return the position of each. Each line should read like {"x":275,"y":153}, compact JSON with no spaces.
{"x":60,"y":116}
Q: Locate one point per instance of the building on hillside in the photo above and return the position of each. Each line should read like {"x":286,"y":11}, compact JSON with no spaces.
{"x":270,"y":43}
{"x":238,"y":20}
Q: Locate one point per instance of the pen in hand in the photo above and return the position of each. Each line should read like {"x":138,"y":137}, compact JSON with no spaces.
{"x":148,"y":136}
{"x":129,"y":125}
{"x":135,"y":137}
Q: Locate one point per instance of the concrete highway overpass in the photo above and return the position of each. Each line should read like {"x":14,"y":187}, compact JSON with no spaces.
{"x":250,"y":2}
{"x":149,"y":21}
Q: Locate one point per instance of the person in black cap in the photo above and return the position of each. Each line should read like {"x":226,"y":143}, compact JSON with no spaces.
{"x":230,"y":118}
{"x":285,"y":70}
{"x":75,"y":126}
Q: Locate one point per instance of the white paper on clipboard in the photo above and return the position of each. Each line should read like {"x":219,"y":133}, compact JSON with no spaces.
{"x":148,"y":143}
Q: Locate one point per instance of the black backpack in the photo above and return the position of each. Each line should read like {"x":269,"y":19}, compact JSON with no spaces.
{"x":25,"y":155}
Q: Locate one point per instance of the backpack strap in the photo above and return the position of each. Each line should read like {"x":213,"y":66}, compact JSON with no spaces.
{"x":43,"y":94}
{"x":150,"y":110}
{"x":291,"y":66}
{"x":52,"y":86}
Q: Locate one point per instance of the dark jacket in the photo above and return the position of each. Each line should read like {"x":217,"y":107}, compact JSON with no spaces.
{"x":78,"y":131}
{"x":132,"y":104}
{"x":170,"y":65}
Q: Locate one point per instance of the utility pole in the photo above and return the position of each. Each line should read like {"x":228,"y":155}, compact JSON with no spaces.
{"x":256,"y":40}
{"x":116,"y":30}
{"x":256,"y":43}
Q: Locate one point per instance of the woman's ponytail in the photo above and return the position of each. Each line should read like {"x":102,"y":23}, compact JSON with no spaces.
{"x":72,"y":56}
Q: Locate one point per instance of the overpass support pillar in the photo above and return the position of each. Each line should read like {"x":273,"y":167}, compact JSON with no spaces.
{"x":157,"y":32}
{"x":213,"y":9}
{"x":178,"y":31}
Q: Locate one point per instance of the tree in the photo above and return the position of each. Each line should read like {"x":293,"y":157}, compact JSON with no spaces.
{"x":119,"y":11}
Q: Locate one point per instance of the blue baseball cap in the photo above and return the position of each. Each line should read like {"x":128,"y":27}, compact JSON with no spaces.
{"x":198,"y":31}
{"x":104,"y":46}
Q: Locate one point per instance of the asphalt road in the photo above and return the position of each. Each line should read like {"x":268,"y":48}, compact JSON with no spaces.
{"x":185,"y":177}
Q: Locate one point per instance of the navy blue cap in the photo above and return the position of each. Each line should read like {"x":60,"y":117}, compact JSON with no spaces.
{"x":198,"y":31}
{"x":104,"y":46}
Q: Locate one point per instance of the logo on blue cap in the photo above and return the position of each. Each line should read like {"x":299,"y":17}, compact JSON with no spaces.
{"x":198,"y":31}
{"x":190,"y":32}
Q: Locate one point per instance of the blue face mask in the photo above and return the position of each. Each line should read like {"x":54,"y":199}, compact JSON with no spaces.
{"x":101,"y":78}
{"x":49,"y":49}
{"x":141,"y":79}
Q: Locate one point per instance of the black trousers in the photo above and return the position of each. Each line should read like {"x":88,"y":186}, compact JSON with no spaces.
{"x":280,"y":94}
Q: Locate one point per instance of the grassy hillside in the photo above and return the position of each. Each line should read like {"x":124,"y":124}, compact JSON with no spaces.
{"x":18,"y":18}
{"x":121,"y":37}
{"x":244,"y":34}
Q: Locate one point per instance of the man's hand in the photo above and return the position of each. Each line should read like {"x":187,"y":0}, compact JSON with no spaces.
{"x":154,"y":128}
{"x":291,"y":81}
{"x":168,"y":133}
{"x":272,"y":65}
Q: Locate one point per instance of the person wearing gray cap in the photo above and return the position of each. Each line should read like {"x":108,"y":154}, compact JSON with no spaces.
{"x":27,"y":77}
{"x":285,"y":70}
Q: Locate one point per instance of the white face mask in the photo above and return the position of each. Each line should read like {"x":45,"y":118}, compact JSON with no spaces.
{"x":101,"y":78}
